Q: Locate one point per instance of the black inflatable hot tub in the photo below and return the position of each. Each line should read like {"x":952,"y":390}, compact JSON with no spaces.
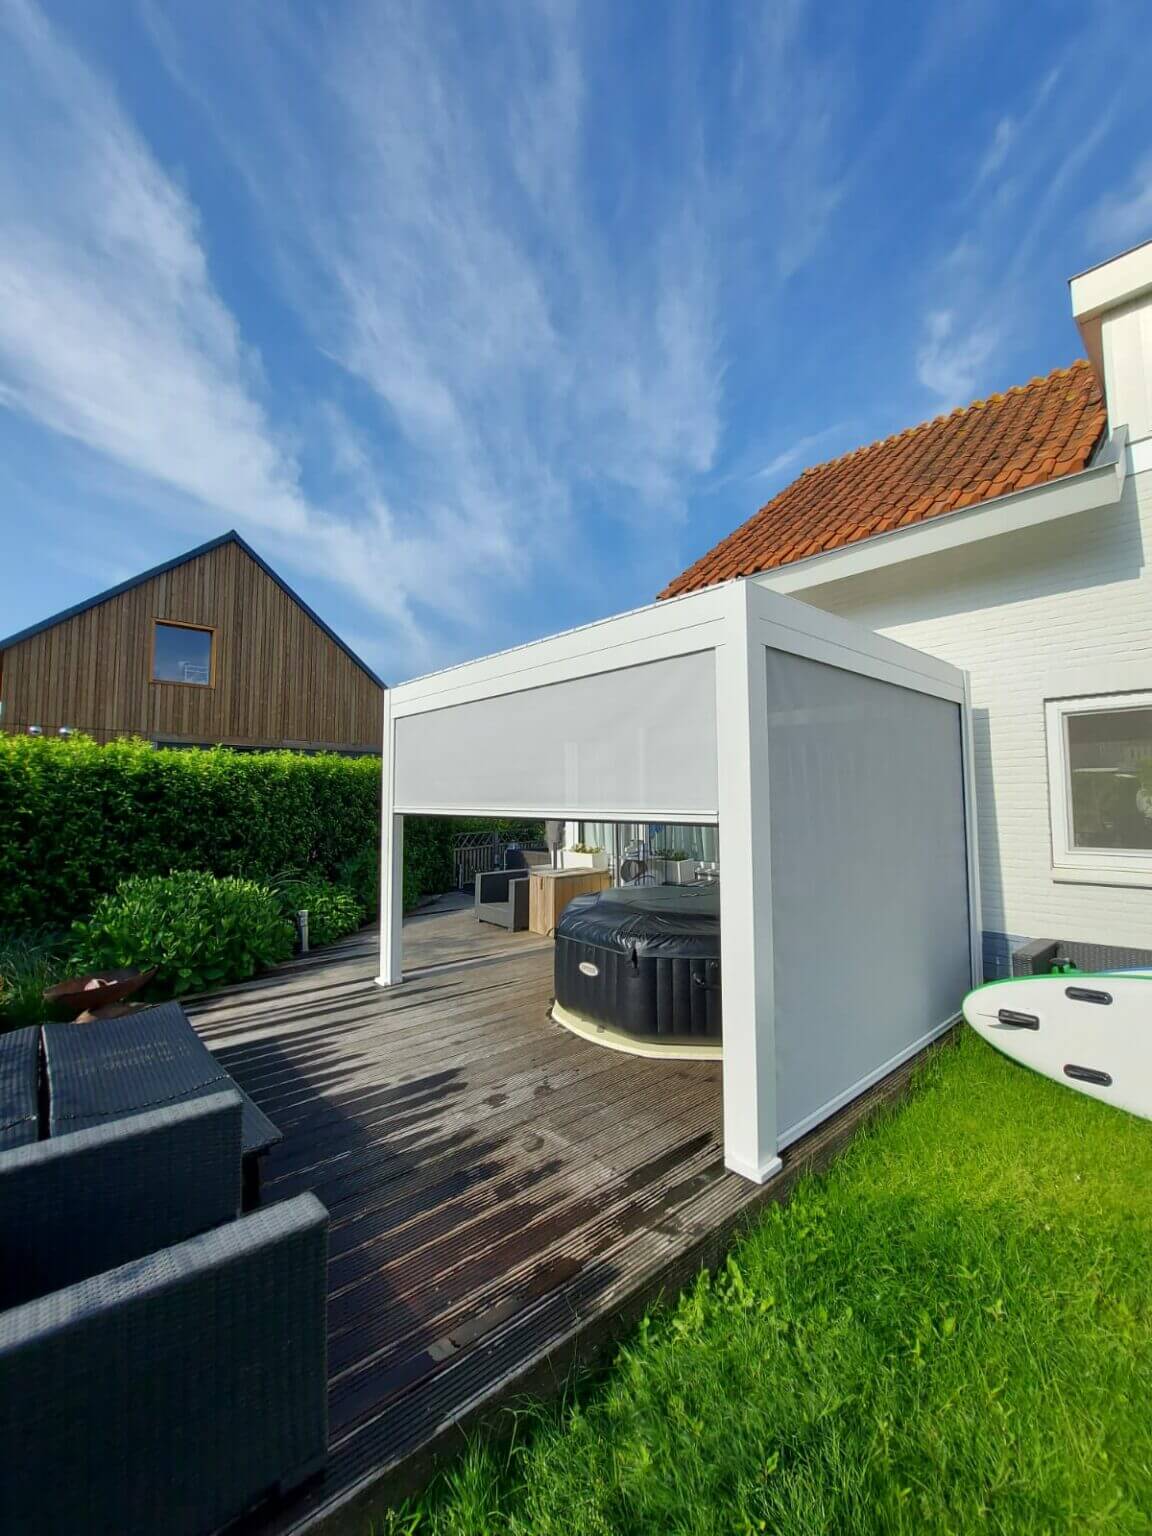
{"x":644,"y":960}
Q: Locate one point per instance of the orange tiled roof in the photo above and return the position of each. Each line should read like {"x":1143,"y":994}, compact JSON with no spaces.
{"x":1033,"y":433}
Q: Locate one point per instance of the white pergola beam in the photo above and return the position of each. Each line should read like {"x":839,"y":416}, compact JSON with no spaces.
{"x":391,"y":864}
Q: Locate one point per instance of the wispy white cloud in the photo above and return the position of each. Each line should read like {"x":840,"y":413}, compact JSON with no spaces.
{"x":1013,"y":131}
{"x":110,"y":329}
{"x":487,"y":307}
{"x":790,"y":102}
{"x":799,"y":453}
{"x":112,"y":333}
{"x":527,"y":325}
{"x":949,"y":362}
{"x":1123,"y":217}
{"x":1006,"y":132}
{"x":1012,"y":201}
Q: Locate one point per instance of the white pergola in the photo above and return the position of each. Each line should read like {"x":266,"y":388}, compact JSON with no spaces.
{"x":837,"y":766}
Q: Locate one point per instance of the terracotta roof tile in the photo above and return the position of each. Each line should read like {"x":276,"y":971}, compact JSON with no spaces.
{"x":1032,"y":433}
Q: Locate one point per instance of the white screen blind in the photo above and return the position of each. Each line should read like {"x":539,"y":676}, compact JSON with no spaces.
{"x":640,"y":740}
{"x":869,"y":876}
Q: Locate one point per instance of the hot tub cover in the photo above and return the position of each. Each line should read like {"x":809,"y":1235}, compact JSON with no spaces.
{"x":652,"y":920}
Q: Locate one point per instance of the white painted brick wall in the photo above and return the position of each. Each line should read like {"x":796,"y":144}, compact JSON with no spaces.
{"x":1017,"y":611}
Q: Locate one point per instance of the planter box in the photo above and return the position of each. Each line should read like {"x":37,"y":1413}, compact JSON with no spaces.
{"x":1044,"y":955}
{"x":677,"y":871}
{"x":598,"y":860}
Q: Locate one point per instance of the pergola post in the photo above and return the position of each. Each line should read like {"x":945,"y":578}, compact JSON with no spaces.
{"x":750,"y":1124}
{"x":391,"y":866}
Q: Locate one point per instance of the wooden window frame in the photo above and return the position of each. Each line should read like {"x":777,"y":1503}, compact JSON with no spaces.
{"x":172,"y":682}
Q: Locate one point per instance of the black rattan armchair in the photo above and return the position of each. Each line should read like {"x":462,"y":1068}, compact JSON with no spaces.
{"x":502,"y":898}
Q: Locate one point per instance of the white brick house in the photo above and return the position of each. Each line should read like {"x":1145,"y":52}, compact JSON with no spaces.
{"x":1042,"y":593}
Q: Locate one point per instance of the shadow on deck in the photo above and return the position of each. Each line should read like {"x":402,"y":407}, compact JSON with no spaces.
{"x":505,"y":1198}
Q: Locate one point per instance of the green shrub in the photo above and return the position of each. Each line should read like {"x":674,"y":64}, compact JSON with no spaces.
{"x":199,"y":931}
{"x":361,"y":875}
{"x":333,"y":910}
{"x":78,"y":818}
{"x":29,"y":962}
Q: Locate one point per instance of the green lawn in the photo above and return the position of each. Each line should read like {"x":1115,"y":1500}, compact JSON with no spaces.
{"x":949,"y":1332}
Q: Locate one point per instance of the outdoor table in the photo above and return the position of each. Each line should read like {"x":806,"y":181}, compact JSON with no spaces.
{"x":110,"y":1068}
{"x":550,"y":891}
{"x":19,"y":1066}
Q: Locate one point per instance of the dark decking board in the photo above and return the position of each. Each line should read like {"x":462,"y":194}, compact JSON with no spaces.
{"x":505,"y":1198}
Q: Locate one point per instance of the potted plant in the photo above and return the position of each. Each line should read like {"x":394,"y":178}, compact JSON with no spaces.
{"x":679,"y":867}
{"x":585,"y":856}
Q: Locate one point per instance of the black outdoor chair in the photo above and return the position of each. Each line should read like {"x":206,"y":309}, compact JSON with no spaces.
{"x":502,"y":898}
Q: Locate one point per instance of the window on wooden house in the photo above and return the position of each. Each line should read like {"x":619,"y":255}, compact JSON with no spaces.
{"x":182,"y":653}
{"x":1100,"y":781}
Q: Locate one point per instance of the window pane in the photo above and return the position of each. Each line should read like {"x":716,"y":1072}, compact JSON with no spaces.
{"x":182,"y":655}
{"x":1110,"y":764}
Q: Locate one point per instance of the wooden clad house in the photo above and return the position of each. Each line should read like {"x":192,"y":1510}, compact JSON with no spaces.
{"x":212,"y":647}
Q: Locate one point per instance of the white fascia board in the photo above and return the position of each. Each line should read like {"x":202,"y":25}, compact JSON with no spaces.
{"x":1088,"y":490}
{"x":677,"y":627}
{"x":1110,"y":285}
{"x":1103,"y":288}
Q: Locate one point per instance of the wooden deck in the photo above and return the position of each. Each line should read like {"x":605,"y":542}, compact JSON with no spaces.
{"x":504,"y":1197}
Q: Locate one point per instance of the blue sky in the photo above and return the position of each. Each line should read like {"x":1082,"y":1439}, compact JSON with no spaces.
{"x":479,"y":321}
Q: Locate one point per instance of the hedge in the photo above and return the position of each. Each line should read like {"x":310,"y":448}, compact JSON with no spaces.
{"x":78,"y":818}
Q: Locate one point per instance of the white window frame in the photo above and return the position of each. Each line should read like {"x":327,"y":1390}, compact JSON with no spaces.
{"x":1088,"y":866}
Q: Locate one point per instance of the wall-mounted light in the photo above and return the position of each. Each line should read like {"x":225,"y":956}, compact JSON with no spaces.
{"x":35,"y":730}
{"x":65,"y":730}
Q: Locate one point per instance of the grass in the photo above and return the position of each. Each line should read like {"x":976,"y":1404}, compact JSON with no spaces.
{"x":29,"y":962}
{"x":949,"y":1332}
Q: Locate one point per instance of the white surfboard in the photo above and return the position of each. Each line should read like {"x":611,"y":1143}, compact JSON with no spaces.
{"x":1089,"y":1032}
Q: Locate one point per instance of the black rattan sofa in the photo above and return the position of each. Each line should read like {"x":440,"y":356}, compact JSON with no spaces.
{"x":162,"y":1358}
{"x":1041,"y":956}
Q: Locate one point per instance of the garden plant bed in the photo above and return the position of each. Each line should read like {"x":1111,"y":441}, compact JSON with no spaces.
{"x":949,"y":1332}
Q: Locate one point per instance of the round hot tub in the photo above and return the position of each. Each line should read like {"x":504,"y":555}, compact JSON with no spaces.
{"x":638,"y":967}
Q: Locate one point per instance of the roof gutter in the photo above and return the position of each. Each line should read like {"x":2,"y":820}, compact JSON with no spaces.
{"x":1100,"y":485}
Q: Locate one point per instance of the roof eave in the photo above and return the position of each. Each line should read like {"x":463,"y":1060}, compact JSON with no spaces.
{"x":1086,"y":490}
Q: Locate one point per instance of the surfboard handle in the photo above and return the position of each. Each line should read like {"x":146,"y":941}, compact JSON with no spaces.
{"x":1088,"y":1075}
{"x":1087,"y":995}
{"x":1011,"y":1019}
